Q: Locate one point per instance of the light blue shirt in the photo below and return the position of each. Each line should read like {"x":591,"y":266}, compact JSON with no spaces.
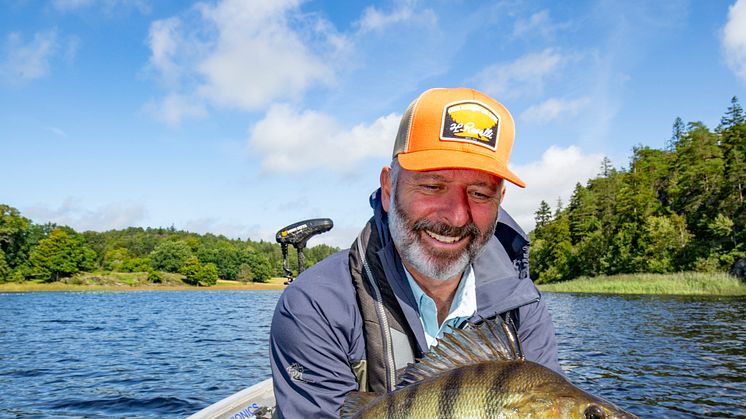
{"x":464,"y":305}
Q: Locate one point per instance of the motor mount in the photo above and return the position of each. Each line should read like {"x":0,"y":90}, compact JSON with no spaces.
{"x":297,"y":235}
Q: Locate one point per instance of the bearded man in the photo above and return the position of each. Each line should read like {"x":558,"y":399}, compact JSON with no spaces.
{"x":437,"y":254}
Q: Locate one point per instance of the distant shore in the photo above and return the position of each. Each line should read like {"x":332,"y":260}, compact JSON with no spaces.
{"x":680,"y":283}
{"x":131,"y":283}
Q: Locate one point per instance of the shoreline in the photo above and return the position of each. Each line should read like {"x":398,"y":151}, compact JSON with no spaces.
{"x":274,"y":284}
{"x":714,"y":284}
{"x":682,"y":283}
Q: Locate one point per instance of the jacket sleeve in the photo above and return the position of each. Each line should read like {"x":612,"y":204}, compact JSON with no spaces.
{"x":536,"y":332}
{"x":311,"y":344}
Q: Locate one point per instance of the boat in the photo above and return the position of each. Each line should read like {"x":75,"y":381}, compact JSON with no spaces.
{"x":257,"y":401}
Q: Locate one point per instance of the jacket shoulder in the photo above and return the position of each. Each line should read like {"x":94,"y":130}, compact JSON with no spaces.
{"x":326,"y":286}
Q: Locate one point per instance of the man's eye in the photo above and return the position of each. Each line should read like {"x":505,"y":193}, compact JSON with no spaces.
{"x":481,"y":196}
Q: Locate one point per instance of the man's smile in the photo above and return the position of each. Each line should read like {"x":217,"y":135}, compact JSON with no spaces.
{"x":444,"y":239}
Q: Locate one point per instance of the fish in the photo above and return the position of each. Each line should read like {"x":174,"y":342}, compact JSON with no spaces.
{"x":480,"y":372}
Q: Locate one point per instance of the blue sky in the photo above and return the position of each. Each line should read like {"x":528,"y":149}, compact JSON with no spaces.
{"x":238,"y":117}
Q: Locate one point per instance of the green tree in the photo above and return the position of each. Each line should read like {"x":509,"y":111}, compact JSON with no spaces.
{"x":207,"y":275}
{"x":543,"y":215}
{"x":4,"y":268}
{"x":170,"y":255}
{"x":244,"y":273}
{"x":115,"y":258}
{"x":664,"y":238}
{"x":732,"y":132}
{"x":13,"y":228}
{"x":226,"y":256}
{"x":722,"y":227}
{"x":606,"y":168}
{"x":697,"y":178}
{"x":62,"y":253}
{"x":550,"y":258}
{"x":97,"y":242}
{"x":677,"y":132}
{"x":261,"y":267}
{"x":136,"y":265}
{"x":190,"y":269}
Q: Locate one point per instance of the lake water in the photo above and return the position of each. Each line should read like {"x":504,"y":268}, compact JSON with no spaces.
{"x":169,"y":354}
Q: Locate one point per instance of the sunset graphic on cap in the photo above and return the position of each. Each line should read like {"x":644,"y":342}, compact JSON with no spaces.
{"x":472,"y":120}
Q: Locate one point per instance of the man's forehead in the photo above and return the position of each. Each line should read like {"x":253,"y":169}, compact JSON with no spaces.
{"x":468,"y":175}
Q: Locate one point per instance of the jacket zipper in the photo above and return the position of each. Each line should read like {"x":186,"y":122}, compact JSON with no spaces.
{"x":383,"y":320}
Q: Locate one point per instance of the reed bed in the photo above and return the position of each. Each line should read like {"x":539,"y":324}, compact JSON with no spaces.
{"x":680,"y":283}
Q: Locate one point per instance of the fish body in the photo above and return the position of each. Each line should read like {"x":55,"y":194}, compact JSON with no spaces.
{"x":492,"y":380}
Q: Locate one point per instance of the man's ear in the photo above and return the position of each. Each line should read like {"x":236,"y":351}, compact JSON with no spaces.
{"x":386,"y":186}
{"x":502,"y":193}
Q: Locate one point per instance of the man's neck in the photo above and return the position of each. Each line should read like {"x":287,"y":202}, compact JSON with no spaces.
{"x":441,"y":291}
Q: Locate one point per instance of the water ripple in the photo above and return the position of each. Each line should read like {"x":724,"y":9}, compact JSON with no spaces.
{"x":656,"y":356}
{"x":169,"y":354}
{"x":155,"y":354}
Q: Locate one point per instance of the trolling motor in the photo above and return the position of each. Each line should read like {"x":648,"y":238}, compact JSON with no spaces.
{"x":298,"y":234}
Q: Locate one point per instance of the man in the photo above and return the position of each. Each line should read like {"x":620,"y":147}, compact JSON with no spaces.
{"x":436,"y":254}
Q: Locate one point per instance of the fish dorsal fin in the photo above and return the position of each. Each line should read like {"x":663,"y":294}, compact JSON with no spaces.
{"x":354,"y":402}
{"x":491,"y":340}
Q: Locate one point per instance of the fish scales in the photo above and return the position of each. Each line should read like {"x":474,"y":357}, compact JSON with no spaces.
{"x":489,"y":380}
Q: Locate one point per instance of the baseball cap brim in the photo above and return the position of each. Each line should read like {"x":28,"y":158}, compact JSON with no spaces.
{"x":424,"y":160}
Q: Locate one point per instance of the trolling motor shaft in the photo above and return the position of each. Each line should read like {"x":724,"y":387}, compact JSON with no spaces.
{"x":297,"y":234}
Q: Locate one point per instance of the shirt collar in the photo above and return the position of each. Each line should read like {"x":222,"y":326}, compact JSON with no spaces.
{"x":463,"y":306}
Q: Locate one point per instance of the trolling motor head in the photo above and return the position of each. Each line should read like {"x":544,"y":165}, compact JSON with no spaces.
{"x":297,"y":234}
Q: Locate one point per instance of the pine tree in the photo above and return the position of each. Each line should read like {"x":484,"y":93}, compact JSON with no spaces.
{"x":677,"y":131}
{"x":606,"y":168}
{"x":543,"y":215}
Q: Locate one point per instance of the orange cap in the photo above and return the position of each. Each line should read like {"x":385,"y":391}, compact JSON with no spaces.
{"x":456,"y":129}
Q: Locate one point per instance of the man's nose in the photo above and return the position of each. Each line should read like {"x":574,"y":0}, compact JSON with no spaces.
{"x":455,"y":209}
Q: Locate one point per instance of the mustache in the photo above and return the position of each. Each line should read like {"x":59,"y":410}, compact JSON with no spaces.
{"x":471,"y":230}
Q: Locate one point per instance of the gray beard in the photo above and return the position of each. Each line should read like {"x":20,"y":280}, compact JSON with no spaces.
{"x":411,"y":249}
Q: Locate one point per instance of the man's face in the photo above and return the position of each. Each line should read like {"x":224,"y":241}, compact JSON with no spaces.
{"x":440,"y":220}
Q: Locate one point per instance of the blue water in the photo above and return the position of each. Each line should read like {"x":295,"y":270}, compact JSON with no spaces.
{"x":169,"y":354}
{"x":146,"y":354}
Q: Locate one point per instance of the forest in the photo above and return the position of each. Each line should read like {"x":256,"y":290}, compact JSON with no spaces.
{"x":680,"y":208}
{"x":47,"y":252}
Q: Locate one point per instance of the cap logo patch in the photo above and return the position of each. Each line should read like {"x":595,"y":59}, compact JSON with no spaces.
{"x":470,"y":122}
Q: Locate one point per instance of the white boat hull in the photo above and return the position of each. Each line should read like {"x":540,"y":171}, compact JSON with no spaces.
{"x":257,"y":401}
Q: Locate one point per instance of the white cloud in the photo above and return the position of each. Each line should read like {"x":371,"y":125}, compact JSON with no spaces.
{"x":30,"y":60}
{"x":539,"y":23}
{"x":173,"y":108}
{"x":243,"y":54}
{"x":71,"y":4}
{"x":164,"y":40}
{"x":552,"y":177}
{"x":70,"y":213}
{"x":108,"y":6}
{"x":230,"y":229}
{"x":292,"y":140}
{"x":734,"y":39}
{"x":553,"y":108}
{"x":376,"y":20}
{"x":522,"y":77}
{"x":57,"y":131}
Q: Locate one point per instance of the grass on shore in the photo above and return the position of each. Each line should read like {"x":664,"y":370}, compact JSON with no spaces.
{"x":132,"y":281}
{"x":680,"y":283}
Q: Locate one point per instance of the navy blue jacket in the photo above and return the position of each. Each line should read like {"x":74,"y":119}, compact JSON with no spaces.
{"x":317,"y":328}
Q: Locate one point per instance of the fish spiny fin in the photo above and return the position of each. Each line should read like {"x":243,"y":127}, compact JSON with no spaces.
{"x":492,"y":340}
{"x":354,"y":402}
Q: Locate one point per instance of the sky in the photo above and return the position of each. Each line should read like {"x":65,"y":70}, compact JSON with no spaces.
{"x":239,"y":117}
